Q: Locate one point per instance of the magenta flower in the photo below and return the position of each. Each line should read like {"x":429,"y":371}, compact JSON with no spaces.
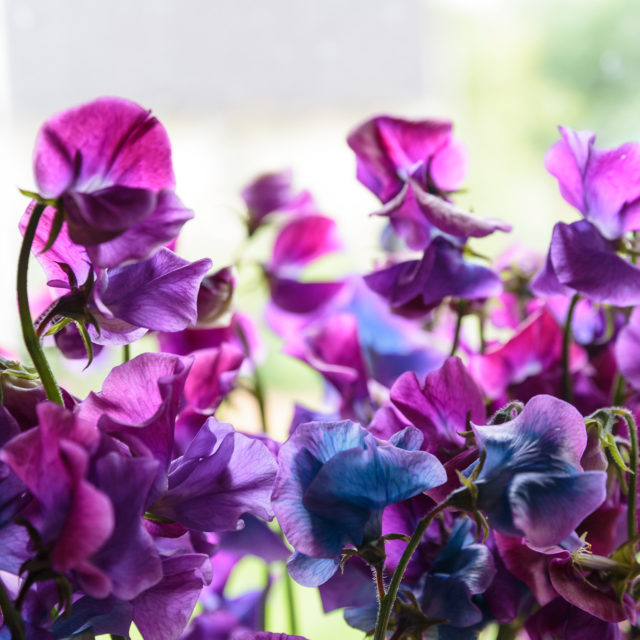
{"x":603,"y":184}
{"x":413,"y":166}
{"x":107,"y":165}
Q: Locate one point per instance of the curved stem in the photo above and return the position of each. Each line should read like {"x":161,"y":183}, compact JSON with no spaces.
{"x":379,"y":583}
{"x":28,"y":332}
{"x":386,"y":605}
{"x":567,"y":387}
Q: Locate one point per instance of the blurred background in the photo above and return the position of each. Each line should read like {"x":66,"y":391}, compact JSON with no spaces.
{"x":247,"y":86}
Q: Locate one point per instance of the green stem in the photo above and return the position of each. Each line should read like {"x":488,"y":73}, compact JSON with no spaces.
{"x":28,"y":332}
{"x":10,"y":615}
{"x":386,"y":605}
{"x":632,"y":496}
{"x":567,"y":387}
{"x":126,"y":353}
{"x":483,"y":342}
{"x":291,"y":604}
{"x":619,"y":390}
{"x":456,"y":335}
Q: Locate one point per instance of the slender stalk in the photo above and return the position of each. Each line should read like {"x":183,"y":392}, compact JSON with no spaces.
{"x":567,"y":387}
{"x":483,"y":342}
{"x":10,"y":615}
{"x":619,"y":390}
{"x":386,"y":605}
{"x":379,"y":583}
{"x":126,"y":353}
{"x":28,"y":332}
{"x":456,"y":335}
{"x":291,"y":603}
{"x":632,"y":496}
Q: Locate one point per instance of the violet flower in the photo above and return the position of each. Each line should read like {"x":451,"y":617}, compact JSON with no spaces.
{"x":531,"y":483}
{"x":107,"y":165}
{"x":415,"y":287}
{"x":333,"y":483}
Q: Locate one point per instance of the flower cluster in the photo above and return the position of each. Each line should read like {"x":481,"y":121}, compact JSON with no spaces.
{"x":473,"y":463}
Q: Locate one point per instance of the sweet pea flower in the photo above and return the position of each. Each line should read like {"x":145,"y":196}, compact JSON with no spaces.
{"x":272,"y":193}
{"x":531,"y":483}
{"x":107,"y":166}
{"x":413,"y":166}
{"x":333,"y":483}
{"x":582,"y":260}
{"x":415,"y":287}
{"x":602,"y":184}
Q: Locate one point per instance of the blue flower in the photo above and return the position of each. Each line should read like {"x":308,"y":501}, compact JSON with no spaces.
{"x":531,"y":483}
{"x":334,"y":481}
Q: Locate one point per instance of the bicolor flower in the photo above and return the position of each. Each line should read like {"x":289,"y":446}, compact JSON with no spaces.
{"x":531,"y":483}
{"x":333,"y":483}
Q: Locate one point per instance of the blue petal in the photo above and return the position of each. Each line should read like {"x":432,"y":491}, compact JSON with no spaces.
{"x":311,"y":572}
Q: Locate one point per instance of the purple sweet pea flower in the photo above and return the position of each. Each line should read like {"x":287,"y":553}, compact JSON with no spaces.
{"x":107,"y":163}
{"x":273,"y":192}
{"x":441,"y":406}
{"x":603,"y":184}
{"x":559,"y":619}
{"x":415,"y":287}
{"x":531,"y":483}
{"x":72,"y":516}
{"x":159,"y":293}
{"x":222,"y":475}
{"x":582,"y":260}
{"x":333,"y":483}
{"x":412,"y":166}
{"x":139,"y":402}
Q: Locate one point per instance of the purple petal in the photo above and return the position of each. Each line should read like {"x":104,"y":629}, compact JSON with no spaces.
{"x":129,"y":557}
{"x":452,"y":220}
{"x":567,"y":160}
{"x":301,"y":297}
{"x":174,"y":597}
{"x":63,"y":251}
{"x":139,"y":402}
{"x":158,"y":294}
{"x":441,"y":407}
{"x":415,"y":287}
{"x":387,"y":146}
{"x":108,"y":141}
{"x":222,"y":475}
{"x":103,"y":215}
{"x":139,"y":241}
{"x":212,"y":376}
{"x":448,"y":166}
{"x":311,"y":572}
{"x":585,"y":261}
{"x":303,"y":240}
{"x":627,"y":350}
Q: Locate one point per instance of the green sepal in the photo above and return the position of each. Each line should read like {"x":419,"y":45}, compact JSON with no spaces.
{"x":54,"y":232}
